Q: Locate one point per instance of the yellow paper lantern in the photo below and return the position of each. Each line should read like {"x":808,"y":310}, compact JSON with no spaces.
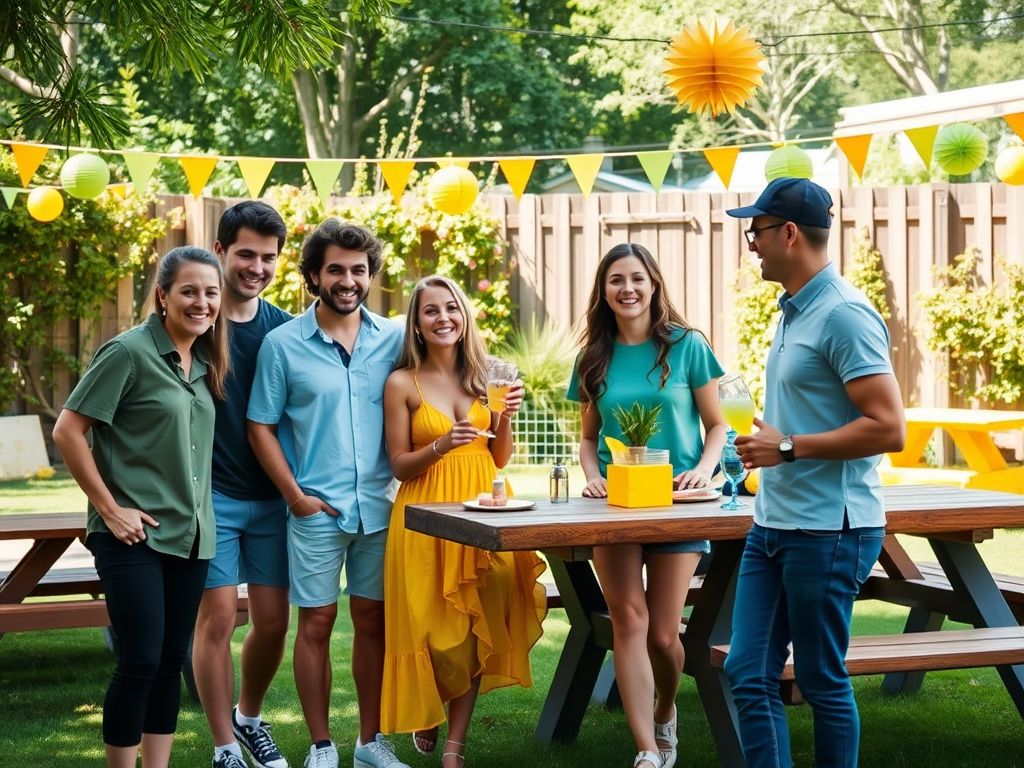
{"x":453,"y":190}
{"x":788,"y":161}
{"x":1010,"y":166}
{"x":45,"y":203}
{"x":714,"y":67}
{"x":85,"y":176}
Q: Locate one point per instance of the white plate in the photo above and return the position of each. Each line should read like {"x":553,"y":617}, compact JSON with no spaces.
{"x":689,"y":495}
{"x":514,"y":505}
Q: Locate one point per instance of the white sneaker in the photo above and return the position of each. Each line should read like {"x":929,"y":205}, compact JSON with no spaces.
{"x":379,"y":753}
{"x":324,"y":757}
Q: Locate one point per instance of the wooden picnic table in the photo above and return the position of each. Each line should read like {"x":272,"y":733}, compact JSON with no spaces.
{"x":953,"y":520}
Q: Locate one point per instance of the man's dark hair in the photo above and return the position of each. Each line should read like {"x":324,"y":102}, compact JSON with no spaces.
{"x":816,"y":237}
{"x":251,"y":214}
{"x":346,"y":236}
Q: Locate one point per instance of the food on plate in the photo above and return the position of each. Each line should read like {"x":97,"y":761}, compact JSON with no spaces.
{"x":695,"y":494}
{"x":487,"y":500}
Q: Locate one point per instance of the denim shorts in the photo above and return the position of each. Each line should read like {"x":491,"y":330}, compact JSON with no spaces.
{"x":252,"y":543}
{"x":701,"y":546}
{"x":317,"y":550}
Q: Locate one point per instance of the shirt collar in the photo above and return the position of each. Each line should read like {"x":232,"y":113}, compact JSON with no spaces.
{"x":165,"y":347}
{"x":811,"y":289}
{"x":309,"y":326}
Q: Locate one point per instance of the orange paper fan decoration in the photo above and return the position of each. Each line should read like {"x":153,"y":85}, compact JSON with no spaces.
{"x":714,"y":68}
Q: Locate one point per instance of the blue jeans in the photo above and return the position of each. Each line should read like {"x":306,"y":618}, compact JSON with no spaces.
{"x":798,"y":587}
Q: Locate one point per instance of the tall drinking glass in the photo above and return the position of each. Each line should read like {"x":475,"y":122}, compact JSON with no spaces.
{"x":500,"y":379}
{"x":737,"y":404}
{"x":732,"y":468}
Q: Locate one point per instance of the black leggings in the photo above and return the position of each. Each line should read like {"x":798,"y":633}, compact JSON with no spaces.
{"x":152,"y":599}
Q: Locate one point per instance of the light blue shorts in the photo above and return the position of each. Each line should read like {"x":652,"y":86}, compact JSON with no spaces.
{"x":317,"y":550}
{"x":252,"y":543}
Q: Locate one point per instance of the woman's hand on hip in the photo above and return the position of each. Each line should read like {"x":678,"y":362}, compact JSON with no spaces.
{"x":127,"y":523}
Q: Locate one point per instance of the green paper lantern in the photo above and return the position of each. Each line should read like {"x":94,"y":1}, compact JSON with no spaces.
{"x":45,"y":203}
{"x":1010,"y":166}
{"x":960,"y":149}
{"x":85,"y":176}
{"x":788,"y":161}
{"x":453,"y":190}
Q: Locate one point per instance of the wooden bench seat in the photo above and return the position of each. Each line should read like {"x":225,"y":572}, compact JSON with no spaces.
{"x":64,"y":614}
{"x":66,"y":581}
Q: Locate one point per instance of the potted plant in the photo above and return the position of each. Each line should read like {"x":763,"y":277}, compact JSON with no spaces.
{"x":639,"y":424}
{"x":642,"y":480}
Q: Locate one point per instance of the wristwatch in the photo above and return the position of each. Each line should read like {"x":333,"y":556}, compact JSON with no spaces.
{"x":786,"y":448}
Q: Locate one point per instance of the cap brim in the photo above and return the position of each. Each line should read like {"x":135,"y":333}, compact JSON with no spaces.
{"x":746,"y":213}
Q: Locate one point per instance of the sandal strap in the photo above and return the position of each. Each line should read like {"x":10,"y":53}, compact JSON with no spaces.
{"x":648,"y":757}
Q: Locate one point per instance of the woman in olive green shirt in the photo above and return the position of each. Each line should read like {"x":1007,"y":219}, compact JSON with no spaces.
{"x":147,"y":396}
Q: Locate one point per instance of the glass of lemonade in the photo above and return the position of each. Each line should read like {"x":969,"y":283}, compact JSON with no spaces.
{"x":500,"y":379}
{"x":737,"y":404}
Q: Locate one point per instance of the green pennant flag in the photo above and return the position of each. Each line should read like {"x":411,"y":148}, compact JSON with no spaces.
{"x":655,"y":165}
{"x":140,"y":167}
{"x":10,"y":194}
{"x":324,"y":173}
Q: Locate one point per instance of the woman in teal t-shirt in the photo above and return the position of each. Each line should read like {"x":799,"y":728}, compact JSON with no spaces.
{"x":638,"y":348}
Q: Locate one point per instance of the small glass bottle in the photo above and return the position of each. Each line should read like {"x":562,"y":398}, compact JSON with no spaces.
{"x":498,"y":492}
{"x":559,"y":484}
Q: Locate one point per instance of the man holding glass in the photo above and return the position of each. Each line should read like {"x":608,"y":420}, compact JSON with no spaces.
{"x":832,"y":407}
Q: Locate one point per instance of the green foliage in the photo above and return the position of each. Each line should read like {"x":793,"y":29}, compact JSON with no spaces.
{"x":418,"y":240}
{"x":639,"y":424}
{"x":544,"y":355}
{"x":58,"y":273}
{"x":754,"y":320}
{"x":978,"y":328}
{"x":865,"y":270}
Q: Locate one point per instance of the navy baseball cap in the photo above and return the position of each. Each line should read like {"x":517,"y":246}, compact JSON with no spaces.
{"x":798,"y":200}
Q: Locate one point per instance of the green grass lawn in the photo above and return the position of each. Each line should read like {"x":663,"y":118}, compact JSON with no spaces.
{"x":52,"y":686}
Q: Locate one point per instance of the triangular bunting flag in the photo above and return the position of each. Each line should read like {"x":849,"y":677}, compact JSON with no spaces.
{"x":255,"y":171}
{"x":198,"y":171}
{"x":323,"y":174}
{"x":1016,"y":122}
{"x":28,"y":157}
{"x":856,"y":150}
{"x":655,"y":165}
{"x":10,"y":194}
{"x":923,"y":140}
{"x":461,"y":162}
{"x":140,"y":166}
{"x":517,"y":173}
{"x":396,"y":176}
{"x":723,"y":162}
{"x":585,"y":168}
{"x":118,"y":190}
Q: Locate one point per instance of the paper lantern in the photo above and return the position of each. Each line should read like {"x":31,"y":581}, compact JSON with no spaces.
{"x":85,"y":176}
{"x":714,"y":67}
{"x":452,"y":190}
{"x":1010,"y":166}
{"x":788,"y":161}
{"x":960,"y":149}
{"x":45,"y":203}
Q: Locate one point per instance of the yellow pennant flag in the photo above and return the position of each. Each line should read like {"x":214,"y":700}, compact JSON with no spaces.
{"x":585,"y":168}
{"x":655,"y":165}
{"x":118,"y":190}
{"x":28,"y":157}
{"x":723,"y":162}
{"x":255,"y":171}
{"x":517,"y":172}
{"x":1016,"y":122}
{"x":198,"y":171}
{"x":461,"y":162}
{"x":923,"y":140}
{"x":396,"y":176}
{"x":856,"y":150}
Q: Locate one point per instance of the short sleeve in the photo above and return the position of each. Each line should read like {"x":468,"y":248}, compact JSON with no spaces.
{"x":699,"y":361}
{"x":573,"y":392}
{"x":269,"y":387}
{"x":104,"y":384}
{"x":856,"y":342}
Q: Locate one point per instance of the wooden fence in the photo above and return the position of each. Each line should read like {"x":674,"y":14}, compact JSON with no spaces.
{"x":557,"y":241}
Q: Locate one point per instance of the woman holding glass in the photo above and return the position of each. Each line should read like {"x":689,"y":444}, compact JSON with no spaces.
{"x":148,"y":396}
{"x":459,"y":620}
{"x":638,"y":349}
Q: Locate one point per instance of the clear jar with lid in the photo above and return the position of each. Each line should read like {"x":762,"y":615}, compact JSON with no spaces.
{"x":498,"y":491}
{"x":559,"y":484}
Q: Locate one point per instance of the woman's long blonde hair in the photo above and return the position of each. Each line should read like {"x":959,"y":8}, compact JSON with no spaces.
{"x":471,"y":361}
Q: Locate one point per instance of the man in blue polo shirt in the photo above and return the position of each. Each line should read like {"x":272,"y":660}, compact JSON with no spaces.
{"x":832,"y":407}
{"x":316,"y":423}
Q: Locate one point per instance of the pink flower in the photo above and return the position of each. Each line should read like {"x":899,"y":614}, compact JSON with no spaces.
{"x":472,"y":264}
{"x":484,"y":284}
{"x":499,"y":250}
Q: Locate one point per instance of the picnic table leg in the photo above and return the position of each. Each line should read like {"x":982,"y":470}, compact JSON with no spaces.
{"x":919,"y":620}
{"x":711,"y":624}
{"x":580,"y":663}
{"x":972,"y":580}
{"x":35,"y":564}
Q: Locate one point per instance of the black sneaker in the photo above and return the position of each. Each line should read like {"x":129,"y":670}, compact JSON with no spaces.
{"x":258,"y":743}
{"x":229,"y":760}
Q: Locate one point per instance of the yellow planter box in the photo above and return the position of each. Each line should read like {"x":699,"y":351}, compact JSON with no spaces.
{"x":645,"y":485}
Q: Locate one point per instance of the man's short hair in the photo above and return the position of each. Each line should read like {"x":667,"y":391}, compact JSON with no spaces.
{"x":251,"y":214}
{"x":346,"y":236}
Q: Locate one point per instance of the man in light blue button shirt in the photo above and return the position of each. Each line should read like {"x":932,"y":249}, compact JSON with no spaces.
{"x":832,"y":406}
{"x":316,"y":423}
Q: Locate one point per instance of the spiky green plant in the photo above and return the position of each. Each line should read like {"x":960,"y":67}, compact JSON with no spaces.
{"x":544,"y":355}
{"x":639,"y":424}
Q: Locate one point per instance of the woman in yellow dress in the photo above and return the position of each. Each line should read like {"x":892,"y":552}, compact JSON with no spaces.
{"x":459,"y":620}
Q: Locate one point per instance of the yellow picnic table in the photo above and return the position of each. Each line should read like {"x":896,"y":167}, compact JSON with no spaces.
{"x":972,"y":432}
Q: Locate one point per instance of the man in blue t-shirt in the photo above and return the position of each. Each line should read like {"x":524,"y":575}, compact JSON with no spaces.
{"x":251,"y":516}
{"x":832,"y":407}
